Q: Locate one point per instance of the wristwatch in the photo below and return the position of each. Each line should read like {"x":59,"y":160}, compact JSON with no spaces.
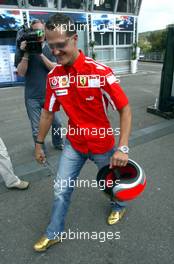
{"x":124,"y":149}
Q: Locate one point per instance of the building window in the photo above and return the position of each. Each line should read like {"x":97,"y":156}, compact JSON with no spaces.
{"x":10,"y":2}
{"x":73,"y":4}
{"x":42,"y":3}
{"x":123,"y":54}
{"x":104,"y":5}
{"x":108,"y":38}
{"x":97,"y":37}
{"x":129,"y":38}
{"x":124,"y":38}
{"x":122,"y":6}
{"x":131,"y":6}
{"x":126,"y":6}
{"x":121,"y":38}
{"x":103,"y":39}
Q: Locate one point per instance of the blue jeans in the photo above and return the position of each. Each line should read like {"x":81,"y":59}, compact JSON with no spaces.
{"x":70,"y":164}
{"x":34,"y":107}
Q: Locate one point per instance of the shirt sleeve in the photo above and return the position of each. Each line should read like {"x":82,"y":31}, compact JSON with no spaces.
{"x":51,"y":103}
{"x":113,"y":91}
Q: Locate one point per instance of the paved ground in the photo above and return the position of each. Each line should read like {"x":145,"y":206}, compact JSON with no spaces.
{"x":146,"y":232}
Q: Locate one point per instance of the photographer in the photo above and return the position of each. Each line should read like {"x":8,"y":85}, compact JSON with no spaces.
{"x":34,"y":63}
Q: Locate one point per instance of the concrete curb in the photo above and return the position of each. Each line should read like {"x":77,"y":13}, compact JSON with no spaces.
{"x":150,"y":133}
{"x":35,"y":172}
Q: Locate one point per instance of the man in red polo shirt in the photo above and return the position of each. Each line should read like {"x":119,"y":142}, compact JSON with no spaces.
{"x":83,"y":88}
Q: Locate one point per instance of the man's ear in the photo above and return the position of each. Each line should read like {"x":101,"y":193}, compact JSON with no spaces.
{"x":76,"y":37}
{"x":76,"y":40}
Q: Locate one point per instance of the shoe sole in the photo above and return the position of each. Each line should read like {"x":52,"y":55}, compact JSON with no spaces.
{"x":47,"y":247}
{"x":16,"y":188}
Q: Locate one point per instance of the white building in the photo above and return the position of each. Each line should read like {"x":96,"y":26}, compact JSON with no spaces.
{"x":112,"y":24}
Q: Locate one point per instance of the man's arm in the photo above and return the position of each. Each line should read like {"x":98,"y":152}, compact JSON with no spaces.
{"x":44,"y":126}
{"x":22,"y":66}
{"x":49,"y":64}
{"x":119,"y":158}
{"x":18,"y":56}
{"x":125,"y":125}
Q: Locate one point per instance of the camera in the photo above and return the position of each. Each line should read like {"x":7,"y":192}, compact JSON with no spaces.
{"x":32,"y":37}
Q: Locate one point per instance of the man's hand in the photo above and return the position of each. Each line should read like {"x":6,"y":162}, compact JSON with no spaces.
{"x":39,"y":154}
{"x":119,"y":159}
{"x":23,"y":45}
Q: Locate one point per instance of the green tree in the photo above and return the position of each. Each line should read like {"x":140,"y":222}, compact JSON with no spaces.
{"x":153,"y":41}
{"x":157,"y":40}
{"x":144,"y":45}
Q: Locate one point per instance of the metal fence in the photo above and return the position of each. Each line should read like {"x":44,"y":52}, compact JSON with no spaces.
{"x":152,"y":56}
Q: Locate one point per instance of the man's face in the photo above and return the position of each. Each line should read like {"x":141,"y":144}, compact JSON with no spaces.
{"x":39,"y":26}
{"x":64,"y":48}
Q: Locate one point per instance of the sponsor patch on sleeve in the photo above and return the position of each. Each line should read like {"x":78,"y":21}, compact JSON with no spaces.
{"x":111,"y":79}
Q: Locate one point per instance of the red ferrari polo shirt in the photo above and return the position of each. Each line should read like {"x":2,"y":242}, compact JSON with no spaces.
{"x":84,"y":90}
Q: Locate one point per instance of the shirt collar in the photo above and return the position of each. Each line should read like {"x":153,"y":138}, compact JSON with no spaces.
{"x":77,"y":65}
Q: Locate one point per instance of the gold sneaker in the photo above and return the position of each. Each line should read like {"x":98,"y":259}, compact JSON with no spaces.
{"x":115,"y":216}
{"x":44,"y":243}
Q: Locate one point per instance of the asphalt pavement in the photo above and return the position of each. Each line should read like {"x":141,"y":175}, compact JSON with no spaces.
{"x":145,"y":235}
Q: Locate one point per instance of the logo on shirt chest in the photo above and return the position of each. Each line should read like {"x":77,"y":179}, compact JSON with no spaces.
{"x":61,"y":92}
{"x":59,"y":82}
{"x":88,"y":81}
{"x":82,"y":80}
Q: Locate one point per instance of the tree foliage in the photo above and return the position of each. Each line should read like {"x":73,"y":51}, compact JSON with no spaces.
{"x":153,"y":41}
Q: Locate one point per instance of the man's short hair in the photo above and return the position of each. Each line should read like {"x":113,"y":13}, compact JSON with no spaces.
{"x":35,"y":21}
{"x":65,"y":23}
